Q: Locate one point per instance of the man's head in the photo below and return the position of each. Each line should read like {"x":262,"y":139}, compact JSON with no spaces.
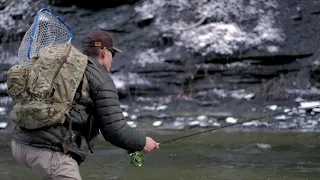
{"x":99,"y":44}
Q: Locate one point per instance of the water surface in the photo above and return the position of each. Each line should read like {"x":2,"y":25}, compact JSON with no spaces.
{"x":217,"y":155}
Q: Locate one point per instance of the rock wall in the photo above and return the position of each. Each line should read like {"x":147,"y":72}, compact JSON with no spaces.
{"x":266,"y":47}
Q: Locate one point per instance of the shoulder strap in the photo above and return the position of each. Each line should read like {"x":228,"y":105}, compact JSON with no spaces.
{"x":84,"y":86}
{"x":85,"y":101}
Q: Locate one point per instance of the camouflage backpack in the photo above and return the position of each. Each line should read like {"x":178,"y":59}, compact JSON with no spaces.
{"x":43,"y":88}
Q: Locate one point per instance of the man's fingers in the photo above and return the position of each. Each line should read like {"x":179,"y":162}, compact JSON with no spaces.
{"x":147,"y":150}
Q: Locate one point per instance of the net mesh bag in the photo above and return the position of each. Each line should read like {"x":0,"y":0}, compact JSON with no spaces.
{"x":46,"y":30}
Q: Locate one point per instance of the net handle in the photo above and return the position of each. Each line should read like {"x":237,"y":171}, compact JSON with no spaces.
{"x":35,"y":26}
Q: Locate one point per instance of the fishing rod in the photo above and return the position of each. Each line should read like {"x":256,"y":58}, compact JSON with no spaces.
{"x":137,"y":158}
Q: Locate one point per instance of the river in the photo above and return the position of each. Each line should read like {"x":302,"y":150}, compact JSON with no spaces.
{"x":222,"y":155}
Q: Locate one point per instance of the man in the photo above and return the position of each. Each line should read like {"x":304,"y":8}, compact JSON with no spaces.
{"x":43,"y":149}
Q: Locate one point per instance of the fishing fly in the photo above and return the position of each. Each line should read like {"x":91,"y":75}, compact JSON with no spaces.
{"x":137,"y":158}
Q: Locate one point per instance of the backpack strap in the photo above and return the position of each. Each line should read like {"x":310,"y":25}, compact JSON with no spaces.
{"x":89,"y":133}
{"x":68,"y":137}
{"x":84,"y":86}
{"x":84,"y":97}
{"x":85,"y":103}
{"x":85,"y":100}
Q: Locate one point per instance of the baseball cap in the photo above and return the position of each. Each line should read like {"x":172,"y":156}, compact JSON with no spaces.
{"x":99,"y":38}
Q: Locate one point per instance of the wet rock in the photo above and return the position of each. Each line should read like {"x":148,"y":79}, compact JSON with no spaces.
{"x":251,"y":123}
{"x":272,"y":107}
{"x":3,"y":125}
{"x":281,"y":117}
{"x":177,"y":124}
{"x":308,"y":105}
{"x":263,"y":146}
{"x":132,"y":124}
{"x":231,"y":120}
{"x":157,"y":123}
{"x":125,"y":114}
{"x":133,"y":117}
{"x":193,"y":123}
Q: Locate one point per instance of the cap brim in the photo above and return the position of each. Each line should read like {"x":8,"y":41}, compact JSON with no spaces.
{"x":116,"y":49}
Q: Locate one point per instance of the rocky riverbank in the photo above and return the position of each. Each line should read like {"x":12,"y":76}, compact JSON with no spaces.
{"x":187,"y":60}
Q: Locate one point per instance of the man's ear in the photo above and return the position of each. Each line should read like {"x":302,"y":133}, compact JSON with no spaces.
{"x":103,"y":52}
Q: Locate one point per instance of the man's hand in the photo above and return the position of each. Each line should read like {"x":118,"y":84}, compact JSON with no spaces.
{"x":151,"y":145}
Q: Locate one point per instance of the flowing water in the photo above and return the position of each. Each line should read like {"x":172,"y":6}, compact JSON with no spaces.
{"x":217,"y":155}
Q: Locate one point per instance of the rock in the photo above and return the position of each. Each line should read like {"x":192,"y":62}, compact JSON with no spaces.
{"x":272,"y":107}
{"x":95,"y":4}
{"x":193,"y":123}
{"x":125,"y":114}
{"x":132,"y":124}
{"x":3,"y":125}
{"x":281,"y":117}
{"x":4,"y":4}
{"x":308,"y":105}
{"x":251,"y":123}
{"x":263,"y":146}
{"x":209,"y":50}
{"x":231,"y":120}
{"x":317,"y":110}
{"x":202,"y":118}
{"x":157,"y":123}
{"x":133,"y":117}
{"x":17,"y":17}
{"x":190,"y":52}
